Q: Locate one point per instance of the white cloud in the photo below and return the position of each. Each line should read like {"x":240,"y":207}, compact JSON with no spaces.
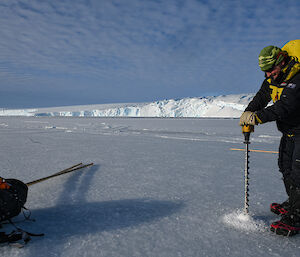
{"x":167,"y":43}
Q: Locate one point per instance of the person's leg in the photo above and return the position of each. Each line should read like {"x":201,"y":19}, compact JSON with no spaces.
{"x":295,"y":179}
{"x":285,"y":160}
{"x":290,"y":222}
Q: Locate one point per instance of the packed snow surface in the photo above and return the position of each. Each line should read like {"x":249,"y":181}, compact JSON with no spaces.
{"x":220,"y":106}
{"x":240,"y":220}
{"x":158,"y":187}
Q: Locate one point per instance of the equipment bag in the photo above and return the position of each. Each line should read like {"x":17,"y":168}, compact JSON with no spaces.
{"x":13,"y":195}
{"x":293,"y":48}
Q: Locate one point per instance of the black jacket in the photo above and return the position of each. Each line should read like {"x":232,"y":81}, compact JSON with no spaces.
{"x":285,"y":94}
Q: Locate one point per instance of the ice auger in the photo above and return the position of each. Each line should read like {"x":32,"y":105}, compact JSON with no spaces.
{"x":247,"y":129}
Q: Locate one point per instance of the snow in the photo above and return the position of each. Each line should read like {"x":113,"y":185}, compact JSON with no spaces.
{"x":227,"y":106}
{"x":242,"y":221}
{"x":159,"y":187}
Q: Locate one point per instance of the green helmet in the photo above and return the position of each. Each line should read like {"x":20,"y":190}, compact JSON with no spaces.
{"x":270,"y":56}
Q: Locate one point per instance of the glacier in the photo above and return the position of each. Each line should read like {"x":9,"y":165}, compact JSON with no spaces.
{"x":224,"y":106}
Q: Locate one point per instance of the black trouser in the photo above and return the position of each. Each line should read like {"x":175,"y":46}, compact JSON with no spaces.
{"x":289,"y":160}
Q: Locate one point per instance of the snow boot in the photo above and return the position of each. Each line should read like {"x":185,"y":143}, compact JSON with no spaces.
{"x":289,"y":225}
{"x":280,"y":208}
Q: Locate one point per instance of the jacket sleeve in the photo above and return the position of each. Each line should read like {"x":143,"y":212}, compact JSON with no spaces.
{"x":261,"y":99}
{"x":289,"y":103}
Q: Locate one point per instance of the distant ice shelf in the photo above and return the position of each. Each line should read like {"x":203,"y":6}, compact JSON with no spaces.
{"x":225,"y":106}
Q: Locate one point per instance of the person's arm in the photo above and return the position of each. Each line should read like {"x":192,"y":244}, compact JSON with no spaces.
{"x":289,"y":102}
{"x":261,"y":99}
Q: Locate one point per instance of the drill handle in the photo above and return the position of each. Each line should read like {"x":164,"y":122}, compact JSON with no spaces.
{"x":247,"y":129}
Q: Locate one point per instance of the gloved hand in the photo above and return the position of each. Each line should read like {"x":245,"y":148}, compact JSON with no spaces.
{"x":248,"y":118}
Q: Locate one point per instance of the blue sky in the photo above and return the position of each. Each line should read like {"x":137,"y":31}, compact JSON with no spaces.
{"x":70,"y":52}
